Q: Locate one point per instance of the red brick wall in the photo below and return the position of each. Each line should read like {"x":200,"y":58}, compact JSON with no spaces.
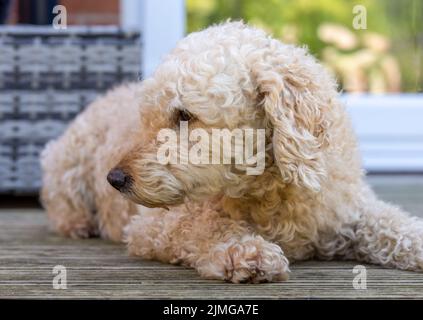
{"x":83,"y":12}
{"x":92,"y":12}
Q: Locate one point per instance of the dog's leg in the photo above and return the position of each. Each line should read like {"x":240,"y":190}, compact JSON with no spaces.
{"x":66,"y":193}
{"x":217,"y":247}
{"x":114,"y":212}
{"x":381,"y":234}
{"x":388,"y":236}
{"x":71,"y":217}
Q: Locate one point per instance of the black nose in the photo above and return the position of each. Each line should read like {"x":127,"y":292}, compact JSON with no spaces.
{"x":118,"y":179}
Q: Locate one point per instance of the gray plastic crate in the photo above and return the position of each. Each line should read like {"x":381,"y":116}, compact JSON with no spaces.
{"x":47,"y":77}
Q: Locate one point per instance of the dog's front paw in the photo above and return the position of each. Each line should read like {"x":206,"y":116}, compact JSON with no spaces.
{"x":251,"y":260}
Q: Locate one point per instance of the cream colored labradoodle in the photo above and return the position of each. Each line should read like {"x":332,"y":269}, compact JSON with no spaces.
{"x":311,"y":201}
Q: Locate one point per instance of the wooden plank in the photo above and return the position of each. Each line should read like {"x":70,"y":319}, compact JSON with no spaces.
{"x":100,"y":269}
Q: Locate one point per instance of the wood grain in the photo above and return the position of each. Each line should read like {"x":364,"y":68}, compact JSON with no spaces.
{"x":100,"y":269}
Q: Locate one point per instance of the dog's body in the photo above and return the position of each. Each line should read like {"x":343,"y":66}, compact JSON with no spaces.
{"x":80,"y":204}
{"x":310,"y":202}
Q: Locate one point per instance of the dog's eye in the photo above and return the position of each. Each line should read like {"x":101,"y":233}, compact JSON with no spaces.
{"x":184,"y":115}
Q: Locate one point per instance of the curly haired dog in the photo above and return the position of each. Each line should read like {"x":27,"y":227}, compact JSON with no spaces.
{"x":311,"y":201}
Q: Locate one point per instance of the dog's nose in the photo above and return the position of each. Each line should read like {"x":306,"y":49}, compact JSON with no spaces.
{"x":117,"y":178}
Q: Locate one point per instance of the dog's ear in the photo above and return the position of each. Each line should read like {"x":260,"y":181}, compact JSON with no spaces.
{"x":296,"y":108}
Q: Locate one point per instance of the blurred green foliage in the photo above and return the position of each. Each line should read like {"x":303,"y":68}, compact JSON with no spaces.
{"x":298,"y":21}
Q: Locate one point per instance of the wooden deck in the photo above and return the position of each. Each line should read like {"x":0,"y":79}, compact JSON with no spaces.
{"x":99,"y":269}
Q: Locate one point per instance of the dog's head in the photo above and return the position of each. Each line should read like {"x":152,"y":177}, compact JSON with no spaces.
{"x":227,"y":77}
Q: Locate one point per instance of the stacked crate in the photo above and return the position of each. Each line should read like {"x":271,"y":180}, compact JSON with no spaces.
{"x":47,"y":77}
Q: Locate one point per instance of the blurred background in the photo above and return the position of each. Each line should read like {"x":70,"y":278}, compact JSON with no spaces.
{"x":385,"y":57}
{"x":57,"y":55}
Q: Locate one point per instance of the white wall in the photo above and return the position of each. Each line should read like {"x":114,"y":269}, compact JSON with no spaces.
{"x":390,"y":130}
{"x":162,"y":24}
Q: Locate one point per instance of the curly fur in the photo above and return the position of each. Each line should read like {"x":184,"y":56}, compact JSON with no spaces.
{"x":310,"y":202}
{"x":79,"y":203}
